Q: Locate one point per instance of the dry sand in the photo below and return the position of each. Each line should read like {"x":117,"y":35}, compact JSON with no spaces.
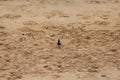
{"x":89,"y":31}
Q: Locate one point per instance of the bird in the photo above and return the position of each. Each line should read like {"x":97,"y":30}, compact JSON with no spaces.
{"x":58,"y":42}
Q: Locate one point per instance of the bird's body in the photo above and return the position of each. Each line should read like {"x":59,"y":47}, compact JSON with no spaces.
{"x":59,"y":42}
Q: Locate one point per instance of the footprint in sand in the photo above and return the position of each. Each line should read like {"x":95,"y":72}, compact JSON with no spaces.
{"x":117,"y":24}
{"x":3,"y":35}
{"x":11,"y":16}
{"x":30,"y":23}
{"x":2,"y":32}
{"x":25,"y":29}
{"x":2,"y":27}
{"x":83,"y":16}
{"x":55,"y":13}
{"x":95,"y":1}
{"x":102,"y":1}
{"x":4,"y":0}
{"x":56,"y":76}
{"x":104,"y":23}
{"x":104,"y":17}
{"x":29,"y":30}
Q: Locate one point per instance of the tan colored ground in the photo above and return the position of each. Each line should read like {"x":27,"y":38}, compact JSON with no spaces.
{"x":89,"y":31}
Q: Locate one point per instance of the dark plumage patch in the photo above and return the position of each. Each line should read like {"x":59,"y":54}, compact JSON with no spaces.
{"x":58,"y":42}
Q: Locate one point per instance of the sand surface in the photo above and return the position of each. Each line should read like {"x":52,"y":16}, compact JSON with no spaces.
{"x":89,"y":31}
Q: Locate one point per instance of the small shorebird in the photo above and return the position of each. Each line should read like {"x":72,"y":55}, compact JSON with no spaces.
{"x":59,"y":43}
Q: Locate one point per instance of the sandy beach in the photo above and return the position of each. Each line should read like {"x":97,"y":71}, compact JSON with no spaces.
{"x":89,"y":31}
